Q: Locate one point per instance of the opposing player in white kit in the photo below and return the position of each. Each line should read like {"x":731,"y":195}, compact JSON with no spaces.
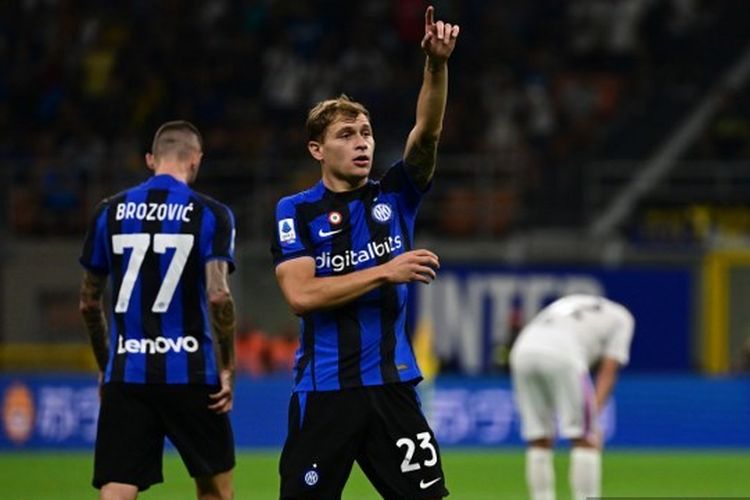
{"x":550,"y":367}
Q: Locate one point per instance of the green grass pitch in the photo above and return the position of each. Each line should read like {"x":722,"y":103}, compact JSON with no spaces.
{"x":472,"y":475}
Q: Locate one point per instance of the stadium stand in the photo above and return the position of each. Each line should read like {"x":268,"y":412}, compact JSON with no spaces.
{"x":557,"y":85}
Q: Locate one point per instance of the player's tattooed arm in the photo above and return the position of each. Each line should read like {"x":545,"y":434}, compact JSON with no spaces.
{"x":91,"y":306}
{"x":420,"y":160}
{"x":222,"y":311}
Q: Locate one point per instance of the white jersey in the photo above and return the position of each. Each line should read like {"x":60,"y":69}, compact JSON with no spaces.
{"x":582,"y":328}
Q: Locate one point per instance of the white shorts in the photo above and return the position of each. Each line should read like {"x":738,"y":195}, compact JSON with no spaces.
{"x":550,"y":390}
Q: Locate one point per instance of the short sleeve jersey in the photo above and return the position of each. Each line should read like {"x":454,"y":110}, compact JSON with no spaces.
{"x":584,"y":327}
{"x":154,"y":241}
{"x":364,"y":342}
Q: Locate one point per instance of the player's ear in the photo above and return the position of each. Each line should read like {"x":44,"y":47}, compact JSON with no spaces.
{"x":150,"y":161}
{"x":194,"y":166}
{"x":315,"y":149}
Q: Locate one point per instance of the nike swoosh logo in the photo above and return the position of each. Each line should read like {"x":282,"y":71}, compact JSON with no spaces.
{"x":426,"y":485}
{"x":326,"y":234}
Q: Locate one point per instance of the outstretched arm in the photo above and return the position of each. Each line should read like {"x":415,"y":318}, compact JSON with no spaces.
{"x":221,"y":307}
{"x":421,"y":146}
{"x":306,"y":293}
{"x":91,"y":306}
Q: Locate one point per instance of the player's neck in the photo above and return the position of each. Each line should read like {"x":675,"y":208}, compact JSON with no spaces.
{"x":338,"y":185}
{"x":175,"y":170}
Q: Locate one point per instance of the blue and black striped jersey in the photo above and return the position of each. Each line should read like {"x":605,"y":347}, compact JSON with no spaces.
{"x":364,"y":342}
{"x":154,"y":241}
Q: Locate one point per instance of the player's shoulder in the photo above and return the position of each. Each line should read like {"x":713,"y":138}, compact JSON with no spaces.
{"x":122,"y":194}
{"x":312,"y":194}
{"x":623,"y":313}
{"x":396,"y":169}
{"x":112,"y":199}
{"x":398,"y":177}
{"x":614,"y":306}
{"x":604,"y":305}
{"x":211,"y":203}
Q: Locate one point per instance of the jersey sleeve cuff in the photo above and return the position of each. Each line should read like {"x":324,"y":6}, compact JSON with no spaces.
{"x":290,"y":256}
{"x":102,"y":271}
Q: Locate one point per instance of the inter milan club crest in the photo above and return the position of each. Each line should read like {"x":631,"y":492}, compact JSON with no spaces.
{"x":382,"y":212}
{"x":334,"y":218}
{"x":311,"y":476}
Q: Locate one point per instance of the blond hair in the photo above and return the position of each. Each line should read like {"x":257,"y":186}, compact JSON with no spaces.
{"x":325,"y":112}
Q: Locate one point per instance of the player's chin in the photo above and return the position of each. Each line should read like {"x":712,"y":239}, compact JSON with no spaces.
{"x":360,"y":170}
{"x":357,"y":174}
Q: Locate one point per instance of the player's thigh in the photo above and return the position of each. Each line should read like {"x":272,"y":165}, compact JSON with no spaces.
{"x":130,"y":438}
{"x":532,"y":392}
{"x":203,"y":438}
{"x":402,"y":456}
{"x":575,"y":402}
{"x":325,"y":430}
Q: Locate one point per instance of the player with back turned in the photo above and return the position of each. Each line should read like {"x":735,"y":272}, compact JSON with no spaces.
{"x":166,"y":360}
{"x":343,"y":256}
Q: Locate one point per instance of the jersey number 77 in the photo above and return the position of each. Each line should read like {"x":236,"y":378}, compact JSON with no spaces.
{"x":140,"y":243}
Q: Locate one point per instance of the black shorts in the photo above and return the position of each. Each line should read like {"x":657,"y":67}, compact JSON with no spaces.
{"x":135,"y":418}
{"x":381,"y":427}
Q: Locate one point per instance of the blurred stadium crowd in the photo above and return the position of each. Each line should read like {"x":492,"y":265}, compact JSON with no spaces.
{"x":537,"y":90}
